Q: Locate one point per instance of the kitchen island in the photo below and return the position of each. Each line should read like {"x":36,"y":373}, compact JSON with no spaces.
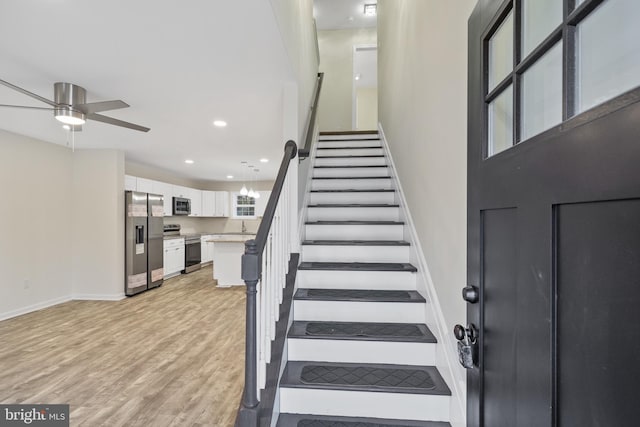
{"x":227,"y":257}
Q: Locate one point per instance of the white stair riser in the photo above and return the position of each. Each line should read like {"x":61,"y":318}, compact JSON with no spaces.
{"x":355,"y":137}
{"x":400,"y":353}
{"x":354,"y":214}
{"x":354,"y":232}
{"x":355,"y":253}
{"x":378,"y":280}
{"x":350,"y":161}
{"x":351,"y":184}
{"x":357,"y":311}
{"x":350,"y":144}
{"x":381,"y":197}
{"x":349,"y":172}
{"x":349,"y":152}
{"x":364,"y":404}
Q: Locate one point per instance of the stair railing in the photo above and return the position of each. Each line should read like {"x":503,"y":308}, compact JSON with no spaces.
{"x":264,"y":267}
{"x":303,"y":153}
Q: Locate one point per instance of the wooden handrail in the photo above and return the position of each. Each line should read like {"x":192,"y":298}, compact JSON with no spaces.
{"x":303,"y":153}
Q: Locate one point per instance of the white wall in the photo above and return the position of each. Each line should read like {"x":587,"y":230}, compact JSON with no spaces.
{"x":35,"y":213}
{"x":295,"y":21}
{"x":422,"y":83}
{"x":98,"y":224}
{"x":336,"y":61}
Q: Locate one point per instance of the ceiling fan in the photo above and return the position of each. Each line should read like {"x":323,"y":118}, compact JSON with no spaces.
{"x":70,"y":106}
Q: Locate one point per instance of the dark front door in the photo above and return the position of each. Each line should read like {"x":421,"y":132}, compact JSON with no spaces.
{"x":554,"y":212}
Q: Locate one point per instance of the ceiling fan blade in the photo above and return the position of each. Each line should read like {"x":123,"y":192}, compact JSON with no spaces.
{"x":27,"y":107}
{"x":96,"y":107}
{"x":112,"y":121}
{"x":26,"y":92}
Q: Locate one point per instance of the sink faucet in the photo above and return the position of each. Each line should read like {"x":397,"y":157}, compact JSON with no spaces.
{"x":244,"y":227}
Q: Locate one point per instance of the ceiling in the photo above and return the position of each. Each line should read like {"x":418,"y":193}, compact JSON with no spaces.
{"x":337,"y":14}
{"x":179,"y":64}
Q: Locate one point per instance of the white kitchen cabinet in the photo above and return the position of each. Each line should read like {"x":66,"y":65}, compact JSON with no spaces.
{"x":173,"y":257}
{"x":208,"y":203}
{"x":261,"y":203}
{"x":130,"y":183}
{"x":196,"y":202}
{"x":222,"y":204}
{"x":180,"y":191}
{"x":206,"y":248}
{"x":166,"y":191}
{"x":144,"y":185}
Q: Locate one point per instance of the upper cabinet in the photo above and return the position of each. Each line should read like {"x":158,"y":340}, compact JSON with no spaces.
{"x":130,"y":183}
{"x":203,"y":203}
{"x":222,"y":203}
{"x":166,"y":191}
{"x":215,"y":203}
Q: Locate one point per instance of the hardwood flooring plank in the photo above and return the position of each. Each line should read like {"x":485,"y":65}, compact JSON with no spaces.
{"x":173,"y":356}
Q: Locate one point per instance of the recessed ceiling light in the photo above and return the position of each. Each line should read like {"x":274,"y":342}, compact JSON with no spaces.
{"x":370,"y":9}
{"x":66,"y":127}
{"x":358,"y":76}
{"x":264,"y":160}
{"x":350,"y":19}
{"x":229,"y":176}
{"x":189,"y":161}
{"x":219,"y":123}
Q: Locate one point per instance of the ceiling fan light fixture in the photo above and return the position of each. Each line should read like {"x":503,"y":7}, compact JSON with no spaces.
{"x":69,"y":117}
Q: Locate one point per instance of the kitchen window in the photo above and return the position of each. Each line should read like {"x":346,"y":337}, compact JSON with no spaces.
{"x":243,"y":206}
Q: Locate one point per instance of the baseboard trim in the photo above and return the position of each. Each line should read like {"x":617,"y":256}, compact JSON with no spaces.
{"x":98,"y":297}
{"x":455,"y":376}
{"x":34,"y":307}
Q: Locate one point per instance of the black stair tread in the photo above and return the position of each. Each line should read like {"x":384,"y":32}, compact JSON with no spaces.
{"x":350,"y":166}
{"x":353,"y":205}
{"x":350,"y":157}
{"x":358,"y":266}
{"x":348,"y":139}
{"x":354,"y":190}
{"x":354,"y":222}
{"x":362,"y":331}
{"x":364,"y":377}
{"x":373,"y":147}
{"x":351,"y":177}
{"x":357,"y":295}
{"x":356,"y":243}
{"x":306,"y":420}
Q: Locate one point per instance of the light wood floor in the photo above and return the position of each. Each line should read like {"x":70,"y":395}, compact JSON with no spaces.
{"x":169,"y":357}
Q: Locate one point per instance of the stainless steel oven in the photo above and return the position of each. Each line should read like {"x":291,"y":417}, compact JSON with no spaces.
{"x":192,"y":253}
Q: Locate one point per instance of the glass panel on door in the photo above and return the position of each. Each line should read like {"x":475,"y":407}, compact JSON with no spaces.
{"x":542,"y":93}
{"x":501,"y":122}
{"x":608,"y":53}
{"x":539,"y":19}
{"x":501,"y":52}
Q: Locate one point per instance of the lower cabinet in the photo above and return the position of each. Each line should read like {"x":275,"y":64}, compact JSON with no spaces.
{"x":206,"y":249}
{"x":173,"y":257}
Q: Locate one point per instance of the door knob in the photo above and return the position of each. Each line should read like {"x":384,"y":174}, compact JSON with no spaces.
{"x":470,"y":294}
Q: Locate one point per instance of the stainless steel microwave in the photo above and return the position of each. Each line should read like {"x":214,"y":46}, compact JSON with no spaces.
{"x":181,"y":206}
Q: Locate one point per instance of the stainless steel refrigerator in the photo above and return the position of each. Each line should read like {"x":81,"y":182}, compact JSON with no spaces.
{"x":144,"y":268}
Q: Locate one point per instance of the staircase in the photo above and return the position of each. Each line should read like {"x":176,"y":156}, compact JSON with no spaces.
{"x":359,"y":351}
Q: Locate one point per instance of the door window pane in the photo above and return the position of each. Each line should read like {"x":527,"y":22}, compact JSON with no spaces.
{"x":501,"y":122}
{"x":501,"y":52}
{"x":608,"y":52}
{"x":539,"y":19}
{"x":542,"y":93}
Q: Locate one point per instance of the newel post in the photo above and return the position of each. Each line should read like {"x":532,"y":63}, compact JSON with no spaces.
{"x":251,"y":264}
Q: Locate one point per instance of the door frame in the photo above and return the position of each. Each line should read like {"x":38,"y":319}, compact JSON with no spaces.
{"x":354,"y":100}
